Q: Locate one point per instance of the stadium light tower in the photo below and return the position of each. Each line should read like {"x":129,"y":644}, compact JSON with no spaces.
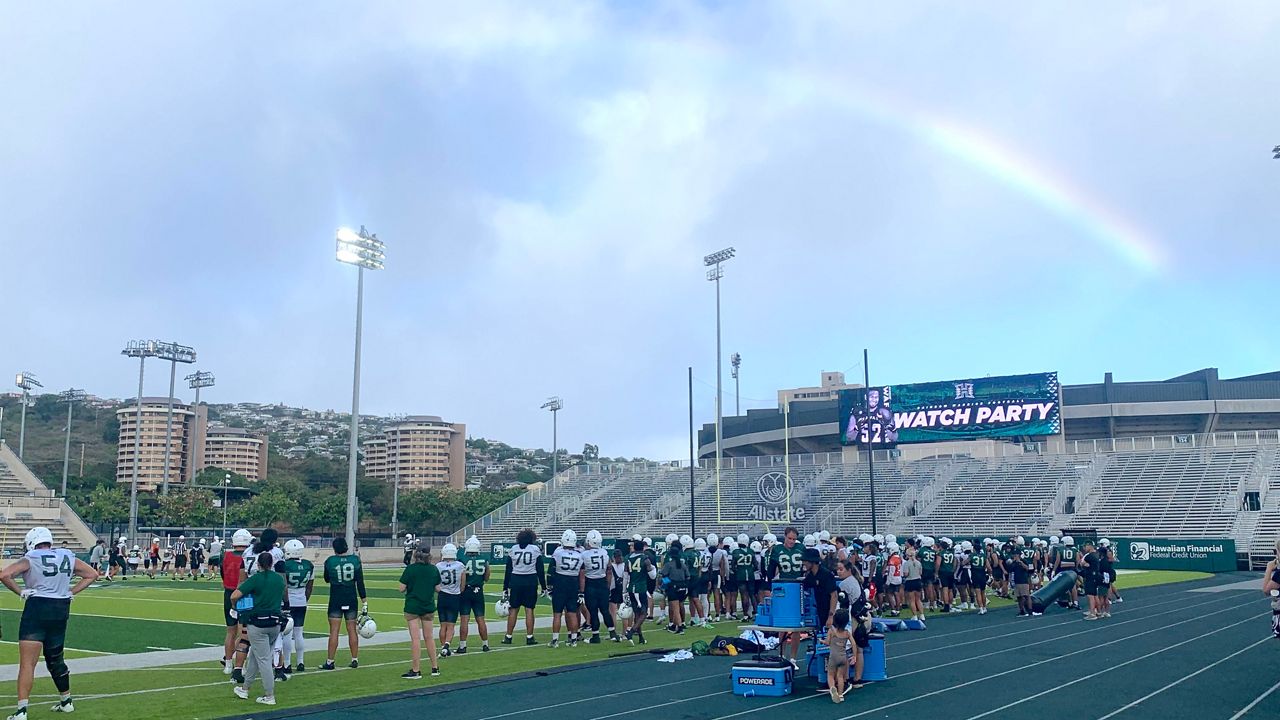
{"x":70,"y":397}
{"x":26,"y":381}
{"x":735,"y":362}
{"x":554,"y":404}
{"x":713,"y":261}
{"x":174,"y":353}
{"x":195,"y":381}
{"x":364,"y":250}
{"x":141,"y":349}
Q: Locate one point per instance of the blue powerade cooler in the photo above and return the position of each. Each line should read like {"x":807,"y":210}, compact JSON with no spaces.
{"x":765,"y":678}
{"x":787,"y":603}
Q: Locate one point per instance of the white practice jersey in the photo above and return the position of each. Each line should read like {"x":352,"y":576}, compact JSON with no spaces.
{"x":719,"y":558}
{"x":452,"y":574}
{"x":596,"y":562}
{"x":619,"y":574}
{"x":568,"y":561}
{"x":524,"y":560}
{"x":251,"y":559}
{"x":704,"y":561}
{"x":50,"y":572}
{"x":215,"y":549}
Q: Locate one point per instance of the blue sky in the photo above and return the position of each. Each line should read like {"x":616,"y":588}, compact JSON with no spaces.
{"x":964,"y":190}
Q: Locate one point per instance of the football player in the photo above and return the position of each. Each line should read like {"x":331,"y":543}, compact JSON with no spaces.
{"x":477,"y":568}
{"x":345,"y":576}
{"x":593,"y":592}
{"x":46,"y":576}
{"x":523,"y":583}
{"x":640,"y":572}
{"x":566,"y":585}
{"x":135,"y":559}
{"x":449,"y":602}
{"x":719,"y":560}
{"x":743,"y":566}
{"x":232,"y":563}
{"x":300,"y":580}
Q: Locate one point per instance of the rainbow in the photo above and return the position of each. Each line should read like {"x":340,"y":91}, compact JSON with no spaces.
{"x":1018,"y":171}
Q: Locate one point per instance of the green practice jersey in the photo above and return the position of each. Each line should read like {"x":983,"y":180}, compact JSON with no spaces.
{"x":741,"y":560}
{"x":788,"y":561}
{"x":476,"y":567}
{"x":345,"y":575}
{"x":638,"y":572}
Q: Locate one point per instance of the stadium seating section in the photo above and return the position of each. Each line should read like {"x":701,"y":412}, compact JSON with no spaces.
{"x":25,"y":502}
{"x":1182,"y":488}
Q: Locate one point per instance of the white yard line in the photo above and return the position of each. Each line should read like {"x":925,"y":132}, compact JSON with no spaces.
{"x":1182,"y":679}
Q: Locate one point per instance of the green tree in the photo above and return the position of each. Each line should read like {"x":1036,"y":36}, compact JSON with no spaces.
{"x":106,"y":505}
{"x":189,"y":507}
{"x":266,"y":508}
{"x":324,"y":511}
{"x":590,"y":453}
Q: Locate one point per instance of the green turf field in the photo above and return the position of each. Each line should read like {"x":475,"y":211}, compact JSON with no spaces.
{"x":142,"y":615}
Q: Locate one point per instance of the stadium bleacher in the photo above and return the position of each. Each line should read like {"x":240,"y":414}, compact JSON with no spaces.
{"x":1177,"y":487}
{"x":25,"y":502}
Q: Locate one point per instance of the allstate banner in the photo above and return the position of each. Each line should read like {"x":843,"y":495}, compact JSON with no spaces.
{"x":991,"y":407}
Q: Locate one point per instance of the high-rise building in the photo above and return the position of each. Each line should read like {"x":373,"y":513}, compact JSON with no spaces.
{"x":421,"y":450}
{"x":832,"y":384}
{"x":193,"y":447}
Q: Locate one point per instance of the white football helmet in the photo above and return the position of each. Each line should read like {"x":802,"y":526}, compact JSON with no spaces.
{"x":366,"y":626}
{"x":450,"y":552}
{"x":878,"y":538}
{"x":625,"y":612}
{"x":756,"y":546}
{"x":594,"y":539}
{"x":1018,"y":540}
{"x":731,"y":544}
{"x":810,"y":541}
{"x":743,"y":539}
{"x":636,"y":538}
{"x":686,"y":541}
{"x":864,"y":538}
{"x":824,"y":536}
{"x":1053,"y":539}
{"x":713,"y":540}
{"x":182,"y":537}
{"x":1068,"y":540}
{"x":1104,"y":542}
{"x":241,"y":538}
{"x":473,"y":544}
{"x":135,"y":547}
{"x":293,"y":549}
{"x":569,"y":539}
{"x":929,"y":541}
{"x":648,"y":542}
{"x":699,"y":544}
{"x":894,"y":549}
{"x":672,"y":537}
{"x":502,"y":607}
{"x":891,"y":538}
{"x":770,"y":538}
{"x":124,"y":539}
{"x":40,"y":535}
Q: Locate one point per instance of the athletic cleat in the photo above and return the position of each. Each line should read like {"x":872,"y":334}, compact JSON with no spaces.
{"x":355,"y":663}
{"x":227,"y":667}
{"x":21,"y":714}
{"x":237,"y":676}
{"x":301,"y":667}
{"x":484,"y":647}
{"x":595,"y":640}
{"x":280,"y":676}
{"x":506,"y":640}
{"x":1090,"y":616}
{"x":462,"y":650}
{"x":555,"y":642}
{"x":65,"y":706}
{"x":573,"y":642}
{"x":241,"y":692}
{"x":530,"y":641}
{"x":435,"y":672}
{"x":640,"y":638}
{"x":288,"y":669}
{"x":328,"y":665}
{"x":266,"y":700}
{"x":412,"y":675}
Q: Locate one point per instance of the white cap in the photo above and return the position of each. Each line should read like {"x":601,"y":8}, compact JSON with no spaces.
{"x":449,"y":552}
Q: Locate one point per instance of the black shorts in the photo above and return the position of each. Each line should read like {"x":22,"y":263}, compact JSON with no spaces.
{"x":180,"y":561}
{"x":227,"y":606}
{"x":677,"y":594}
{"x":564,"y":593}
{"x":447,"y":606}
{"x":979,"y":580}
{"x":44,"y":620}
{"x":701,"y":586}
{"x":472,"y":601}
{"x":964,"y":578}
{"x":928,"y":578}
{"x":148,"y":562}
{"x":913,"y":585}
{"x":861,"y":638}
{"x":715,"y":581}
{"x":408,"y":556}
{"x":639,"y":602}
{"x":730,"y":585}
{"x":523,"y":591}
{"x":947,"y":580}
{"x":215,"y":561}
{"x":299,"y":615}
{"x":337,"y":603}
{"x":615,"y":595}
